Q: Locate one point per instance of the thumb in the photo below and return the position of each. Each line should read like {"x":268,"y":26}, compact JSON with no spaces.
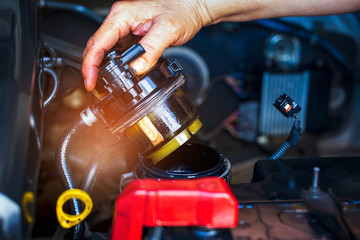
{"x":155,"y":41}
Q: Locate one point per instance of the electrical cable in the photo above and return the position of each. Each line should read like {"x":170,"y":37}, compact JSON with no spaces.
{"x":292,"y":140}
{"x":281,"y":150}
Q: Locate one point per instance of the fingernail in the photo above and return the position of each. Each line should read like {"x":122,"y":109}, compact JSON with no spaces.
{"x":88,"y":86}
{"x":85,"y":84}
{"x":139,"y":65}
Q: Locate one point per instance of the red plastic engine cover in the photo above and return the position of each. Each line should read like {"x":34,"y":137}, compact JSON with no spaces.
{"x":206,"y":202}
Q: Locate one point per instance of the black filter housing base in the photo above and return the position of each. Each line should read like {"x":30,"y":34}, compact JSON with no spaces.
{"x":284,"y":179}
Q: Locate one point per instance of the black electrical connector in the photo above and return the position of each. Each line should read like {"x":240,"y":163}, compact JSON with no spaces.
{"x":286,"y":106}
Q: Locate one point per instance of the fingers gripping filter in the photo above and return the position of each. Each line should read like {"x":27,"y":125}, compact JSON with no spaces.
{"x":149,"y":109}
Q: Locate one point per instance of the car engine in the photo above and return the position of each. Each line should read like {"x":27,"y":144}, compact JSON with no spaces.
{"x":248,"y":131}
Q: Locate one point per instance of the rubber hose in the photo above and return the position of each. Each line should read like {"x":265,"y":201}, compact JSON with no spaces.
{"x":281,"y":151}
{"x":66,"y":176}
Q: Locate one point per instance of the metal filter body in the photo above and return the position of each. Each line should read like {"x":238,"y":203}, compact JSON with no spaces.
{"x":166,"y":128}
{"x":149,"y":109}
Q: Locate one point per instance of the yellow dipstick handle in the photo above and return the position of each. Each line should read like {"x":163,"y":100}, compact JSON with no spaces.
{"x":27,"y":198}
{"x":66,"y":220}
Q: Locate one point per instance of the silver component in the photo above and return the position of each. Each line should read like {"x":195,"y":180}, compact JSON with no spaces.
{"x":126,"y":178}
{"x":315,"y":181}
{"x":296,"y":85}
{"x":314,"y":190}
{"x":88,"y":117}
{"x":56,"y":84}
{"x":165,"y":114}
{"x":146,"y":87}
{"x":283,"y":52}
{"x":227,"y":173}
{"x":50,"y":62}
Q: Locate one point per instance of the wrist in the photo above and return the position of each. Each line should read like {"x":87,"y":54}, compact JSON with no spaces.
{"x":238,"y":10}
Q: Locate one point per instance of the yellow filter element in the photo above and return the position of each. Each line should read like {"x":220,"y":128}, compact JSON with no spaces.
{"x":150,"y":131}
{"x":27,"y":199}
{"x":66,"y":220}
{"x":176,"y":142}
{"x":195,"y":126}
{"x":169,"y":147}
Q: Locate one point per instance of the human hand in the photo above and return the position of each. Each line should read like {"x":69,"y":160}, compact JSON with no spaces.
{"x":162,"y":23}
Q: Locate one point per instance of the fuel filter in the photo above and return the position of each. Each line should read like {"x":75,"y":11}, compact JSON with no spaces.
{"x":149,"y":109}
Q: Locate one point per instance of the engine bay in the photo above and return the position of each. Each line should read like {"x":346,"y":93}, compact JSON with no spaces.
{"x":221,"y":119}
